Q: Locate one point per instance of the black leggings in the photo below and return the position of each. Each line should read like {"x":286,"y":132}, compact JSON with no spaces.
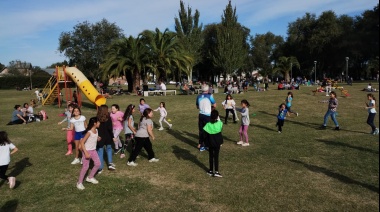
{"x":227,"y":113}
{"x":370,"y":120}
{"x":3,"y":170}
{"x":214,"y":158}
{"x":280,"y":123}
{"x":140,"y":143}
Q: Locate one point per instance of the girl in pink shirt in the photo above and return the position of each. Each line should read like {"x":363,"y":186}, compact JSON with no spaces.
{"x":117,"y":124}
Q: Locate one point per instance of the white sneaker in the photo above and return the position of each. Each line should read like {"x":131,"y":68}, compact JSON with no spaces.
{"x":111,"y":168}
{"x":80,"y":186}
{"x":131,"y":163}
{"x":154,"y":160}
{"x":240,"y":143}
{"x":170,"y":126}
{"x":92,"y":180}
{"x":161,"y":128}
{"x":245,"y":144}
{"x":12,"y":182}
{"x":75,"y":161}
{"x":112,"y":164}
{"x":297,"y":114}
{"x":376,"y":132}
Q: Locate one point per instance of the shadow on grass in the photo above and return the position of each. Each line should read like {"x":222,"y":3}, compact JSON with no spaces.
{"x":10,"y":206}
{"x":266,"y":128}
{"x":336,"y":143}
{"x":18,"y":168}
{"x":88,"y":105}
{"x":179,"y":135}
{"x":186,"y":155}
{"x":337,"y":176}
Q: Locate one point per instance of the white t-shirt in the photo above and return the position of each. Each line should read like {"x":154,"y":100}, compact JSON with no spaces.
{"x":5,"y":154}
{"x":163,"y":87}
{"x":371,"y":103}
{"x":91,"y":142}
{"x":78,"y":123}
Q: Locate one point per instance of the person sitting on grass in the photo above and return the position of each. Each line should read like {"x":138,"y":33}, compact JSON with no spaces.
{"x":18,"y":116}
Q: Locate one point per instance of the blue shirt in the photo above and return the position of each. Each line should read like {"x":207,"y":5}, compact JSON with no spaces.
{"x":204,"y":103}
{"x":282,"y":114}
{"x":289,"y":101}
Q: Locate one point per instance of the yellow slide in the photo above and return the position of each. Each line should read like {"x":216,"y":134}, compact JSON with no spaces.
{"x":85,"y":86}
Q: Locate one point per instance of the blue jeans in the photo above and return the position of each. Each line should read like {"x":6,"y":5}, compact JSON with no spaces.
{"x":101,"y":155}
{"x":332,"y":114}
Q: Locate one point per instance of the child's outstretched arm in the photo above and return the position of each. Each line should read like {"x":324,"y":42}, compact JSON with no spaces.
{"x":69,"y":128}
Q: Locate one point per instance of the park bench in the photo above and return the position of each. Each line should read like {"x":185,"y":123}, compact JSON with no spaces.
{"x":215,"y":90}
{"x":158,"y":92}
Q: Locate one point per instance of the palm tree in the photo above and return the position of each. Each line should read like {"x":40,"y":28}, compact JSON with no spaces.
{"x":285,"y":64}
{"x":128,"y":54}
{"x":165,"y":52}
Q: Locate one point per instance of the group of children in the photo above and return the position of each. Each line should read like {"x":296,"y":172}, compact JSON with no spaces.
{"x":90,"y":139}
{"x":104,"y":131}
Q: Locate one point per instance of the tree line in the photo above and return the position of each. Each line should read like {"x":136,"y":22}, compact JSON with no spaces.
{"x":320,"y":44}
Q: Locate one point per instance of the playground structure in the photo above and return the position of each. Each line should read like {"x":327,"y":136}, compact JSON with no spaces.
{"x":65,"y":78}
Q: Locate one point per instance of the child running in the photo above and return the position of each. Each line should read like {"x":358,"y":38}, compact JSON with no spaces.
{"x":88,"y":146}
{"x":129,"y":128}
{"x":213,"y":140}
{"x":243,"y":131}
{"x":229,"y":105}
{"x":331,"y":111}
{"x":70,"y":134}
{"x":371,"y":107}
{"x":289,"y":100}
{"x":117,"y":124}
{"x":163,"y":114}
{"x":143,"y":106}
{"x":281,"y":117}
{"x":142,"y":138}
{"x":77,"y":123}
{"x":6,"y":150}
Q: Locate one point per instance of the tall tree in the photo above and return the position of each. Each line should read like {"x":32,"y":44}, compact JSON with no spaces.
{"x":189,"y":33}
{"x":231,"y":46}
{"x":265,"y":48}
{"x":86,"y":45}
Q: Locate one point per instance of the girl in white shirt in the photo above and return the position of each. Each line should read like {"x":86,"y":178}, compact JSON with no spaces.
{"x":6,"y":150}
{"x":88,"y":147}
{"x":163,"y":115}
{"x":371,"y":107}
{"x":229,"y":105}
{"x":77,"y":123}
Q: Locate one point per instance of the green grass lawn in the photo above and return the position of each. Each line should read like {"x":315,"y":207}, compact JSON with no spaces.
{"x":302,"y":169}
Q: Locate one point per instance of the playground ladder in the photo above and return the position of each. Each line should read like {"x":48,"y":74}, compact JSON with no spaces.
{"x":50,"y":91}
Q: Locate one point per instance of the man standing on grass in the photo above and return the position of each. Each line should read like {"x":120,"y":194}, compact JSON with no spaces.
{"x":205,"y":102}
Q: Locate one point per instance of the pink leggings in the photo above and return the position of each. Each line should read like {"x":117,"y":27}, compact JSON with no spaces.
{"x":70,"y":134}
{"x":86,"y":163}
{"x":243,"y":132}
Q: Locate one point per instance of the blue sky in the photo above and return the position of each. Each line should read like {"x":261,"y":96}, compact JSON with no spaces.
{"x":30,"y":29}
